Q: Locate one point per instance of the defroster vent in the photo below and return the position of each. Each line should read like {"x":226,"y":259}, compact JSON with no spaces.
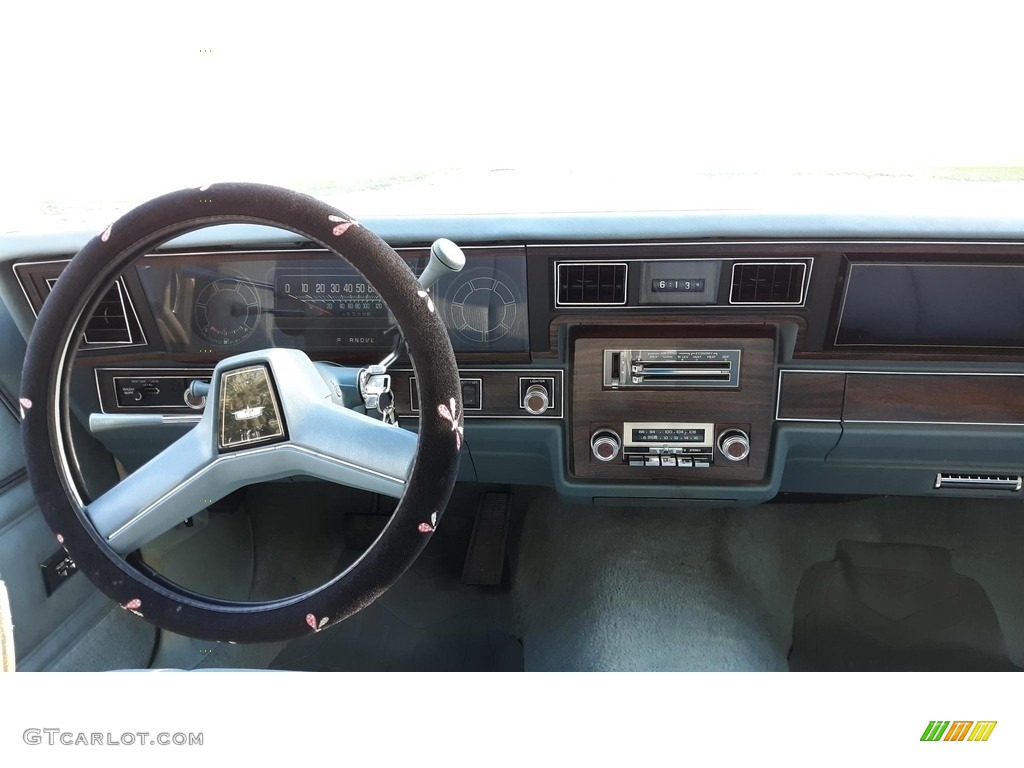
{"x":594,"y":283}
{"x":766,"y":282}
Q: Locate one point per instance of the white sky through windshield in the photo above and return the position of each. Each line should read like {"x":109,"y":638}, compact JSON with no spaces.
{"x":475,"y":107}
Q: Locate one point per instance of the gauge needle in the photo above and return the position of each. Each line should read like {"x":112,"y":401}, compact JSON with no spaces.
{"x":310,"y":304}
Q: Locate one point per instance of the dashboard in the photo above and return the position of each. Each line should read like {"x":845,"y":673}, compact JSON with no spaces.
{"x":725,"y":368}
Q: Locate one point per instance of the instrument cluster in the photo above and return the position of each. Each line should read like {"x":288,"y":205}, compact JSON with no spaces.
{"x":313,"y":300}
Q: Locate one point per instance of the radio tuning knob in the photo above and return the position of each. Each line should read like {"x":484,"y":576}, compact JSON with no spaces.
{"x":734,"y":444}
{"x":536,"y":399}
{"x":605,"y":445}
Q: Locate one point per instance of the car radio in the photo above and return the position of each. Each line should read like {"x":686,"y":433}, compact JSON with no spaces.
{"x":655,"y":444}
{"x":668,"y":444}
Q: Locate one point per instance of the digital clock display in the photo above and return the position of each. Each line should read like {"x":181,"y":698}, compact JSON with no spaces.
{"x":678,"y":285}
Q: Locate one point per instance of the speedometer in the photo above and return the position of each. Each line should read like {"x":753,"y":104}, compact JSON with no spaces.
{"x":227,"y":311}
{"x":340,"y":293}
{"x":325,"y":303}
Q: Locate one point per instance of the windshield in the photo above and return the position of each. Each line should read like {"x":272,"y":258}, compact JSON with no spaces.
{"x":449,"y":108}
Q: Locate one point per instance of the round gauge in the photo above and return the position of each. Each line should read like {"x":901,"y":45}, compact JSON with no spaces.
{"x":482,"y":306}
{"x":226,"y":311}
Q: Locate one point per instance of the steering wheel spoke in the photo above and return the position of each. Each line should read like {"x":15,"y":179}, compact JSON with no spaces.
{"x":157,"y":496}
{"x":355,"y":450}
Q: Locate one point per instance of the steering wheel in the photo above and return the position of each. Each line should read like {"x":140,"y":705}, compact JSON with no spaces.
{"x":270,"y":414}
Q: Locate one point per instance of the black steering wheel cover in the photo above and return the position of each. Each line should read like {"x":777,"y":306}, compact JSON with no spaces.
{"x":72,"y":301}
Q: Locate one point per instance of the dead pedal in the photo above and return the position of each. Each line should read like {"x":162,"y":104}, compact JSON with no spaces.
{"x":485,"y":559}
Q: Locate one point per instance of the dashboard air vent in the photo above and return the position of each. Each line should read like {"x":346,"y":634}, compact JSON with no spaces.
{"x":762,"y":282}
{"x":588,"y":284}
{"x":979,"y":482}
{"x":109,"y":324}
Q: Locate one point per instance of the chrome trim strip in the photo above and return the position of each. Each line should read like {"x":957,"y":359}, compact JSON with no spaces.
{"x":840,"y":244}
{"x":299,"y":253}
{"x":939,"y":423}
{"x":176,"y":419}
{"x":684,"y":372}
{"x":21,"y":282}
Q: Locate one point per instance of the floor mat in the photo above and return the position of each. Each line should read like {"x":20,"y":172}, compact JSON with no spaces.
{"x":428,"y":621}
{"x":885,"y":607}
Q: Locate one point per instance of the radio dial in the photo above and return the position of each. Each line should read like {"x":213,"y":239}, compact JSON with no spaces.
{"x":734,"y":444}
{"x":605,"y":445}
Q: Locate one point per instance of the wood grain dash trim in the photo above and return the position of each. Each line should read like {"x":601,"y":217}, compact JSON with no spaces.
{"x":949,"y":399}
{"x":811,"y":396}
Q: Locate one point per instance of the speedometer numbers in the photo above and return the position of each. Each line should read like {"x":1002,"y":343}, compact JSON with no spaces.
{"x":227,"y":311}
{"x":330,"y":295}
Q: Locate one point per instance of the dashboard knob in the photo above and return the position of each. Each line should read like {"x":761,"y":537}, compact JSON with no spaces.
{"x":734,"y":444}
{"x":536,"y":399}
{"x":196,"y":393}
{"x":605,"y":445}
